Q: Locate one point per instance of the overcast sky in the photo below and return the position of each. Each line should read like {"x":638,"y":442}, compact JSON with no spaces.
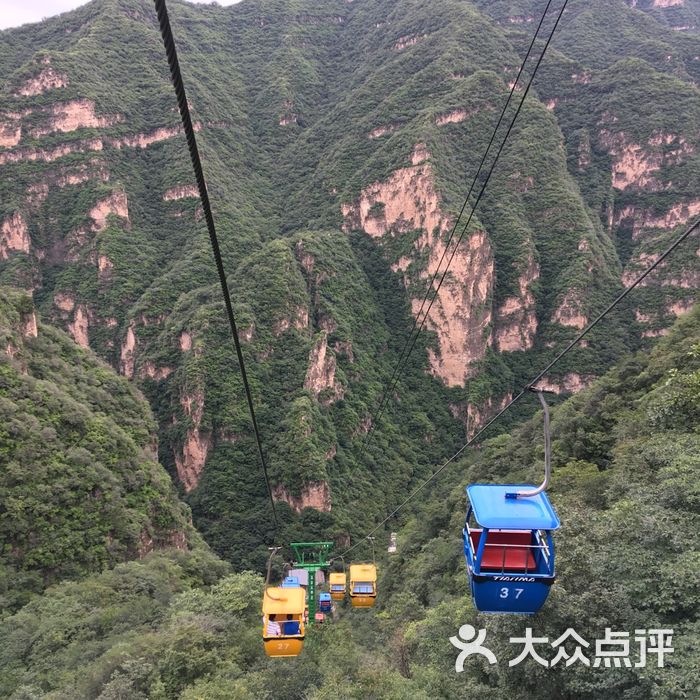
{"x":16,"y":12}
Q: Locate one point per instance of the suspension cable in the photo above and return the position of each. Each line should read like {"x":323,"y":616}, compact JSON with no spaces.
{"x":536,"y":379}
{"x":169,"y":42}
{"x":411,"y":339}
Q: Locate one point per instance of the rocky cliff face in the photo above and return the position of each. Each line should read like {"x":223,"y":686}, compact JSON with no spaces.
{"x":100,"y":219}
{"x":648,"y":169}
{"x":406,"y":202}
{"x":516,"y":324}
{"x":320,"y":375}
{"x":14,"y":236}
{"x":45,"y":78}
{"x":45,"y":119}
{"x":190,"y":461}
{"x":314,"y":495}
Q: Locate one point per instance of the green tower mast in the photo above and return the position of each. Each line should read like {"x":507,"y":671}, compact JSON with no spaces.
{"x":311,"y":556}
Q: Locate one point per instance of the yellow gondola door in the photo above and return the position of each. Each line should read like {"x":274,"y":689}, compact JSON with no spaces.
{"x":283,"y":621}
{"x":363,"y":585}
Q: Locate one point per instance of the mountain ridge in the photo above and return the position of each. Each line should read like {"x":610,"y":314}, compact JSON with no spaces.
{"x":364,"y":117}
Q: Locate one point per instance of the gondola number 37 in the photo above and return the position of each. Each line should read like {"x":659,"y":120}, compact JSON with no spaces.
{"x":505,"y":591}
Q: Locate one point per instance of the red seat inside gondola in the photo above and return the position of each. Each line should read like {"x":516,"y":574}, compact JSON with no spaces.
{"x":510,"y":558}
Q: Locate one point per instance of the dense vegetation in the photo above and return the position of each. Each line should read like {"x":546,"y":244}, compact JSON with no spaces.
{"x":315,"y":275}
{"x":107,"y":589}
{"x":80,"y":487}
{"x":626,"y":458}
{"x":288,"y":97}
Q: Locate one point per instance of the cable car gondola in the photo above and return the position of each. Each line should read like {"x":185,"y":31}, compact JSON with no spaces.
{"x":283,"y":621}
{"x":363,"y":585}
{"x":324,"y":602}
{"x":338,"y":585}
{"x":510,"y":556}
{"x":510,"y":550}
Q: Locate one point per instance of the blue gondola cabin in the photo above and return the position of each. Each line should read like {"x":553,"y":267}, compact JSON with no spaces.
{"x":509,"y":548}
{"x":325,"y":605}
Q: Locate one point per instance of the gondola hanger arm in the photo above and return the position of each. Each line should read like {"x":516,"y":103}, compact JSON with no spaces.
{"x":547,"y":449}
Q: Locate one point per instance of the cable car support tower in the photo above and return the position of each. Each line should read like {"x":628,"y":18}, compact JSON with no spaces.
{"x":311,"y":556}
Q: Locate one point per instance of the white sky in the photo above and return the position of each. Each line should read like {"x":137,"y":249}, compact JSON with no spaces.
{"x":16,"y":12}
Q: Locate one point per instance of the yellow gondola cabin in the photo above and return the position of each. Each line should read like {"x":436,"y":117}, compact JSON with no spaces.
{"x":283,"y":621}
{"x":363,"y":585}
{"x":338,"y":585}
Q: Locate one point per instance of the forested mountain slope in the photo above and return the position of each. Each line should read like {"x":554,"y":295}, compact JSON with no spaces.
{"x":80,"y":484}
{"x":626,"y":457}
{"x":339,"y":140}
